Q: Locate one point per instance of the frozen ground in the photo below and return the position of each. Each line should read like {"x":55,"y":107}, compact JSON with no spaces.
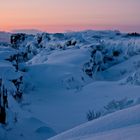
{"x":66,"y":76}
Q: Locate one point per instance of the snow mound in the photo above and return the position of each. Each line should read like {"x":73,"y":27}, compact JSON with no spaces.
{"x":108,"y":126}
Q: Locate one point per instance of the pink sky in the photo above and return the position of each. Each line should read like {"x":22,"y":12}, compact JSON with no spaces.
{"x":63,"y":15}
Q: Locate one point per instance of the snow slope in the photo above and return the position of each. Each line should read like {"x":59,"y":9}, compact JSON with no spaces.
{"x":5,"y":37}
{"x":57,"y":92}
{"x":123,"y":124}
{"x":20,"y":124}
{"x":64,"y":78}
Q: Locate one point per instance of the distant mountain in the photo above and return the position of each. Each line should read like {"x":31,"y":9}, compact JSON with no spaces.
{"x":27,"y":31}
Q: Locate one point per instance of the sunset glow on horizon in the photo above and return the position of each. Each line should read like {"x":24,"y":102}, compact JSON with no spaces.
{"x":63,"y":15}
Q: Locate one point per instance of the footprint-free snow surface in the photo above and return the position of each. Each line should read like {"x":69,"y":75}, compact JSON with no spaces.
{"x":71,"y":86}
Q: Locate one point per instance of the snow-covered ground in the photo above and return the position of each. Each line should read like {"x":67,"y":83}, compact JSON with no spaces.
{"x":124,"y":125}
{"x":67,"y":75}
{"x":5,"y":37}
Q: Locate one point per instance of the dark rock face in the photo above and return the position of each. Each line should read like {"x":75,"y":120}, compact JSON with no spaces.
{"x":2,"y":115}
{"x":133,"y":35}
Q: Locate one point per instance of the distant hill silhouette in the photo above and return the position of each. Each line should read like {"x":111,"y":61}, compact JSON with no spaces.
{"x":27,"y":31}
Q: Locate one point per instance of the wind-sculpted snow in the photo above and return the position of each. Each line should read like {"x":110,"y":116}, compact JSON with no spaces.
{"x":107,"y":127}
{"x":53,"y":80}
